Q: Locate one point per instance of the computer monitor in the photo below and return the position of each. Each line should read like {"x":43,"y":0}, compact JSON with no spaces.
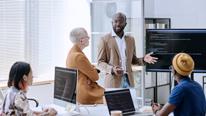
{"x":65,"y":86}
{"x":165,"y":43}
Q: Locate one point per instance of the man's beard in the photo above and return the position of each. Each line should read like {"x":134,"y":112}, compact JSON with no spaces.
{"x":119,"y":30}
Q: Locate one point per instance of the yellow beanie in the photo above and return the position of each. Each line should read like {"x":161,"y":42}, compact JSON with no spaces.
{"x":183,"y":64}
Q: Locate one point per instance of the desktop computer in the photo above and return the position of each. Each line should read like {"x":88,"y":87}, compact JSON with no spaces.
{"x":65,"y":85}
{"x":65,"y":89}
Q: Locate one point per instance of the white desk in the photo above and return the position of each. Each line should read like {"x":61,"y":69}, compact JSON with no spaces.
{"x":98,"y":110}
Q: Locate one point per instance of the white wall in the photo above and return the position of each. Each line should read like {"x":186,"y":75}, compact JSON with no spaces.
{"x":149,"y":8}
{"x":43,"y":93}
{"x":183,"y":13}
{"x":71,"y":14}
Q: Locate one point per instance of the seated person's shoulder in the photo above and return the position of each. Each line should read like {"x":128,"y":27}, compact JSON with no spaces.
{"x":76,"y":55}
{"x":21,"y":94}
{"x":20,"y":98}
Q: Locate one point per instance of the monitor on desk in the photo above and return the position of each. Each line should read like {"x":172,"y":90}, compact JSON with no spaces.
{"x":65,"y":86}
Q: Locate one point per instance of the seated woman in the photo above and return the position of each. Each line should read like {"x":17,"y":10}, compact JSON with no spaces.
{"x":16,"y":102}
{"x":88,"y":91}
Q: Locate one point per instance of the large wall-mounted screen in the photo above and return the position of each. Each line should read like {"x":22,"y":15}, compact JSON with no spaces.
{"x":165,"y":43}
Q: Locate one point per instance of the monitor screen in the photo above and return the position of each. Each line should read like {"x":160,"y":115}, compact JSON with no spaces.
{"x":119,"y":100}
{"x":65,"y":84}
{"x":165,"y":43}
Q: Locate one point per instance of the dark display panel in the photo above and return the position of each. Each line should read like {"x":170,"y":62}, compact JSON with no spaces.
{"x":119,"y":100}
{"x":65,"y":84}
{"x":165,"y":43}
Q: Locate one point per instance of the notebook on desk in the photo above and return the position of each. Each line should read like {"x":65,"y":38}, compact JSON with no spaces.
{"x":121,"y":100}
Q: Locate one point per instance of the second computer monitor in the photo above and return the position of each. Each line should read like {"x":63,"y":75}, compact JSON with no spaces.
{"x":65,"y":84}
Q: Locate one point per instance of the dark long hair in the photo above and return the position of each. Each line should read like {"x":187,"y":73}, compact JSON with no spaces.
{"x":17,"y":71}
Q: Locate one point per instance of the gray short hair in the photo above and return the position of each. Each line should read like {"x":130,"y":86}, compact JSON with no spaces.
{"x":76,"y":34}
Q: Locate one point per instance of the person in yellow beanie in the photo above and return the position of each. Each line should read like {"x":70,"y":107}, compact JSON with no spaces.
{"x":187,"y":98}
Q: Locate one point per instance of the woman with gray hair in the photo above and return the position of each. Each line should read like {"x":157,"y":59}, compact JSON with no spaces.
{"x":88,"y":91}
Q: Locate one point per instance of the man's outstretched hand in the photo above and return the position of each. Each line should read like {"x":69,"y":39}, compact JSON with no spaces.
{"x":149,"y":59}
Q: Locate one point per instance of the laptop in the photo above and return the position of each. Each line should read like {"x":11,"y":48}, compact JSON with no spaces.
{"x":121,"y":100}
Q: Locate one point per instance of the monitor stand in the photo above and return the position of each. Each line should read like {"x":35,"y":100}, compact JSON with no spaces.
{"x":73,"y":109}
{"x":77,"y":109}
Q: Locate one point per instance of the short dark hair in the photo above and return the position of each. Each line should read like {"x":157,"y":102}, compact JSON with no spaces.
{"x":121,"y":15}
{"x":17,"y":71}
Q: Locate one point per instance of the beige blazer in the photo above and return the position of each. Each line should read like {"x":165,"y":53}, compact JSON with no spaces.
{"x":109,"y":56}
{"x":88,"y":91}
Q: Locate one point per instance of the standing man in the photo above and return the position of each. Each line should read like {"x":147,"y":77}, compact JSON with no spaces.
{"x":116,"y":54}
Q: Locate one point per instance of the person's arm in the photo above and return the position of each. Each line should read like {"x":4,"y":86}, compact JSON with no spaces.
{"x":135,"y":60}
{"x":164,"y":111}
{"x":83,"y":65}
{"x":142,"y":61}
{"x":40,"y":113}
{"x":102,"y":58}
{"x":98,"y":71}
{"x":22,"y":105}
{"x":175,"y":99}
{"x":149,"y":59}
{"x":45,"y":112}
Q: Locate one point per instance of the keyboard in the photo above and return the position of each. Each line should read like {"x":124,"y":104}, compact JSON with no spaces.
{"x":61,"y":111}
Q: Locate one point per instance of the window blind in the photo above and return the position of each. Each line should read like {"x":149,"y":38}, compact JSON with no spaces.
{"x":12,"y":28}
{"x":37,"y":31}
{"x":26,"y":34}
{"x":39,"y":35}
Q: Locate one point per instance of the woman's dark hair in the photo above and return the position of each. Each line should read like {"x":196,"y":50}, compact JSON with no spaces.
{"x":17,"y":71}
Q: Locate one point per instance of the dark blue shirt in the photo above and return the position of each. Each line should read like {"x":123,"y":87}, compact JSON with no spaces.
{"x":189,"y":98}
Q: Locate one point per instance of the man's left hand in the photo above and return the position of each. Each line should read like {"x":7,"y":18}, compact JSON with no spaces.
{"x":149,"y":59}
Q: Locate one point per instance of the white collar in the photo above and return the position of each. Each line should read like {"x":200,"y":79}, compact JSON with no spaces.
{"x":115,"y":35}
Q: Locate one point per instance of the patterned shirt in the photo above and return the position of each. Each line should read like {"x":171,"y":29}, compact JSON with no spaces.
{"x":16,"y":103}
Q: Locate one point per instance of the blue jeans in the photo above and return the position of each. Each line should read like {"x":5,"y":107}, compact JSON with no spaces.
{"x":125,"y":82}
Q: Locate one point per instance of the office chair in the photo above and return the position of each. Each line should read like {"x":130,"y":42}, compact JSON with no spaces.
{"x":34,"y":100}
